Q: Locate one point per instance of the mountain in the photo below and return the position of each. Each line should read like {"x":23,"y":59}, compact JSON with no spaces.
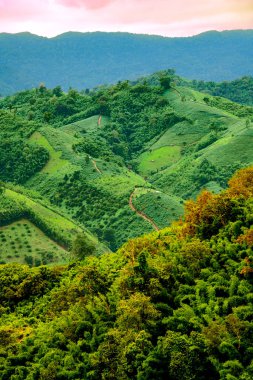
{"x":174,"y":304}
{"x":86,"y":60}
{"x":121,"y":160}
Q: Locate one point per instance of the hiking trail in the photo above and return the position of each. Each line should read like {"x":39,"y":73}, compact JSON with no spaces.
{"x":141,"y":213}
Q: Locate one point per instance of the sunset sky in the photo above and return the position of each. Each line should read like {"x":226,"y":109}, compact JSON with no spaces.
{"x":164,"y":17}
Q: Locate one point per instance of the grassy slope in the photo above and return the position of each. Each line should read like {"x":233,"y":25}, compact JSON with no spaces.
{"x":18,"y":240}
{"x":160,"y":207}
{"x":166,"y":150}
{"x":174,"y":153}
{"x":99,"y":197}
{"x":55,"y":162}
{"x":159,"y":158}
{"x":21,"y":239}
{"x":233,"y":145}
{"x":116,"y":181}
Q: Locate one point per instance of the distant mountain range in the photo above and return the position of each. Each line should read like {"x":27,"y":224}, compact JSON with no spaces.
{"x":85,"y":60}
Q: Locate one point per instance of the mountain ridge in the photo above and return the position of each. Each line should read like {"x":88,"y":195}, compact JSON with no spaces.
{"x":86,"y":60}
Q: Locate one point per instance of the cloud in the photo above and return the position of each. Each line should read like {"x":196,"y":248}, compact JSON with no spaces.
{"x":166,"y":11}
{"x":88,"y":4}
{"x":166,"y":17}
{"x":22,"y":9}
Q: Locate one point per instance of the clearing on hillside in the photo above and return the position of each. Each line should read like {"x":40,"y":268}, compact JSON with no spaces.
{"x":24,"y":243}
{"x":157,"y":159}
{"x":55,"y":162}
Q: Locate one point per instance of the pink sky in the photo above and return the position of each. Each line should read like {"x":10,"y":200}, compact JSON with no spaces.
{"x":164,"y":17}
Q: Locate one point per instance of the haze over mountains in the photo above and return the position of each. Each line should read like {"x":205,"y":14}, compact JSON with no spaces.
{"x":85,"y":60}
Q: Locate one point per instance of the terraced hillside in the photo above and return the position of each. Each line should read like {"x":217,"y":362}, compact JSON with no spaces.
{"x":121,"y":160}
{"x":33,"y":232}
{"x":94,"y":190}
{"x":213,"y":142}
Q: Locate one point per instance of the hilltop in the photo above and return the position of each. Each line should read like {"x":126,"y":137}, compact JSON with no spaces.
{"x":86,"y":60}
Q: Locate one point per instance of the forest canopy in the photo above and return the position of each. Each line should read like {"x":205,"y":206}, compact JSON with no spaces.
{"x":175,"y":304}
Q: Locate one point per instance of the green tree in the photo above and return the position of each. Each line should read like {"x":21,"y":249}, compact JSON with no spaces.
{"x":82,"y":247}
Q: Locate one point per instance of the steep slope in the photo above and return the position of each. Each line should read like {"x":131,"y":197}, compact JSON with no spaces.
{"x":174,"y":304}
{"x":121,"y":159}
{"x":213,"y":143}
{"x":34,"y":232}
{"x":71,"y":59}
{"x":95,"y":190}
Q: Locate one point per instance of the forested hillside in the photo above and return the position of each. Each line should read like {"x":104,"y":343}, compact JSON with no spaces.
{"x":86,"y":60}
{"x":172,"y":304}
{"x":121,"y":160}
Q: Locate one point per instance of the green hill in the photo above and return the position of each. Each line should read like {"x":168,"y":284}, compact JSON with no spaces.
{"x":120,"y":160}
{"x":34,"y":232}
{"x":176,"y":303}
{"x":81,"y":172}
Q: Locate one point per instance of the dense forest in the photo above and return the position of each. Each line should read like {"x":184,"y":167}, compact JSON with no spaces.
{"x":174,"y":304}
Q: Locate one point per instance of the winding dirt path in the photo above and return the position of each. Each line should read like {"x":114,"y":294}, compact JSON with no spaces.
{"x":141,"y":213}
{"x":95,"y":166}
{"x":99,"y":120}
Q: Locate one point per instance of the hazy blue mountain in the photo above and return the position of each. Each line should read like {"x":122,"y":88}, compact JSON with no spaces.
{"x":84,"y":60}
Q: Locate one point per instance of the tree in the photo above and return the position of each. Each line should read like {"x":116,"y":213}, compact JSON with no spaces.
{"x":82,"y":247}
{"x":57,"y":91}
{"x":165,"y":81}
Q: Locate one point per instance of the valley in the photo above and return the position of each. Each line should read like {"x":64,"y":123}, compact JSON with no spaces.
{"x":121,"y":160}
{"x":126,"y":190}
{"x":125,"y":245}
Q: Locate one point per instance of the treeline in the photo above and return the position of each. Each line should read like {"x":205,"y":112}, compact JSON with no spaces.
{"x":175,"y":304}
{"x":48,"y":106}
{"x":238,"y":90}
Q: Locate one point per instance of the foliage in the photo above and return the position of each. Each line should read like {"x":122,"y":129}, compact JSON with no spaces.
{"x":87,"y":152}
{"x":85,"y":60}
{"x":81,"y":247}
{"x":173,"y":304}
{"x":238,"y":90}
{"x":19,"y":160}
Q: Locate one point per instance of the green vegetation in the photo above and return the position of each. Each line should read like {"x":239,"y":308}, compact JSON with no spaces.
{"x":19,"y":159}
{"x":155,"y":160}
{"x":84,"y":171}
{"x":86,"y":152}
{"x":238,"y":90}
{"x":47,"y":235}
{"x":85,"y":60}
{"x":176,"y":303}
{"x":55,"y":162}
{"x":160,"y":207}
{"x":22,"y":242}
